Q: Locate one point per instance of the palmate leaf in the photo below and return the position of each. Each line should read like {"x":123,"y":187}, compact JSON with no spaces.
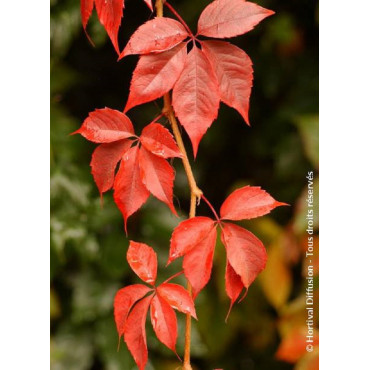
{"x":143,"y":168}
{"x":131,"y":305}
{"x":195,"y":239}
{"x":211,"y":72}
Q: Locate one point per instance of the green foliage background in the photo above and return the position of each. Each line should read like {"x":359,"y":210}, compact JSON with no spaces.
{"x":88,"y":243}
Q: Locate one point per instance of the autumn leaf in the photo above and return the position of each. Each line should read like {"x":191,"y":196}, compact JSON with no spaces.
{"x":229,"y":18}
{"x":195,"y":96}
{"x":104,"y":161}
{"x":131,"y":305}
{"x":234,"y":72}
{"x":129,"y":191}
{"x":158,"y":140}
{"x":195,"y":239}
{"x":156,"y":35}
{"x":155,"y":75}
{"x":157,"y":175}
{"x":105,"y":126}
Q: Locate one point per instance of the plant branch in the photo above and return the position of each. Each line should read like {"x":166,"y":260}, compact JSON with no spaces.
{"x":195,"y":192}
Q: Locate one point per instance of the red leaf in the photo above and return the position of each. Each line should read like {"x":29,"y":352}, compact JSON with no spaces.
{"x":106,"y":125}
{"x":233,"y":285}
{"x":155,"y":75}
{"x":134,"y":330}
{"x":188,"y":234}
{"x":110,"y":13}
{"x":198,"y":262}
{"x":234,"y":72}
{"x":248,"y":202}
{"x":143,"y":261}
{"x":123,"y":302}
{"x":195,"y":96}
{"x":129,"y":191}
{"x":158,"y":176}
{"x":245,"y":252}
{"x":164,"y":322}
{"x":104,"y":162}
{"x":158,"y":34}
{"x":86,"y":10}
{"x":159,"y":141}
{"x":177,"y":297}
{"x":229,"y":18}
{"x":149,"y":3}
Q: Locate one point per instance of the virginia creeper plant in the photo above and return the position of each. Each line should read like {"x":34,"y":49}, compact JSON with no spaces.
{"x":201,"y":73}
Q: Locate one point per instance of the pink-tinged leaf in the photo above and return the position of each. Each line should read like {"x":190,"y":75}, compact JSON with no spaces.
{"x":104,"y":162}
{"x":245,"y":252}
{"x":124,"y":301}
{"x":177,"y":297}
{"x":188,"y":234}
{"x":234,"y":72}
{"x":129,"y":191}
{"x":134,"y":332}
{"x":156,"y":35}
{"x":143,"y":261}
{"x":86,"y":10}
{"x":158,"y":176}
{"x":198,"y":262}
{"x":155,"y":75}
{"x":110,"y":13}
{"x":195,"y":96}
{"x":105,"y":126}
{"x":164,"y":322}
{"x":149,"y":3}
{"x":229,"y":18}
{"x":248,"y":202}
{"x":159,"y":141}
{"x":233,"y":285}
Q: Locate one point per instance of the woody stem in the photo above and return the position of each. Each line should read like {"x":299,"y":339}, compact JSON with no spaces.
{"x":195,"y":192}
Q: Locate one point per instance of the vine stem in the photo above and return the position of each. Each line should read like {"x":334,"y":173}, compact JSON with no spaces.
{"x":195,"y":192}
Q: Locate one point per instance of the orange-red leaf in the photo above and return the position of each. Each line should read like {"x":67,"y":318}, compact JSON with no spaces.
{"x":110,"y":13}
{"x":188,"y":234}
{"x":164,"y":322}
{"x":196,"y":97}
{"x":143,"y":261}
{"x":123,"y":302}
{"x":158,"y":34}
{"x":245,"y":252}
{"x":105,"y":126}
{"x":177,"y":297}
{"x":233,"y":285}
{"x":159,"y":141}
{"x":198,"y":262}
{"x":229,"y":18}
{"x":158,"y":176}
{"x":104,"y":162}
{"x":86,"y":7}
{"x":129,"y":191}
{"x":135,"y":335}
{"x":234,"y":72}
{"x":155,"y":75}
{"x":248,"y":202}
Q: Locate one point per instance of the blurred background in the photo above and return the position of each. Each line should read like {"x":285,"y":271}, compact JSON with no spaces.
{"x":88,"y":245}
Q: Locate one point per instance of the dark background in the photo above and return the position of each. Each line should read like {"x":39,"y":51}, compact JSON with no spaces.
{"x":88,"y":244}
